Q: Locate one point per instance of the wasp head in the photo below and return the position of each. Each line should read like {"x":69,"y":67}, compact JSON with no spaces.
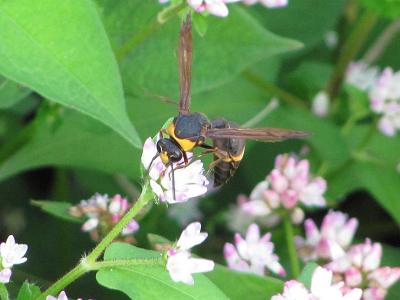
{"x":169,"y":151}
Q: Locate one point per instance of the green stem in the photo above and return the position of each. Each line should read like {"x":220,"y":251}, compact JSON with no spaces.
{"x":273,"y":89}
{"x":126,"y":263}
{"x":145,"y":196}
{"x":136,"y":39}
{"x":60,"y":284}
{"x":86,"y":264}
{"x":3,"y":292}
{"x":350,"y":49}
{"x":294,"y":259}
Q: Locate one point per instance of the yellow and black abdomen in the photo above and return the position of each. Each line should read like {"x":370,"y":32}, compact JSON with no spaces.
{"x":229,"y":155}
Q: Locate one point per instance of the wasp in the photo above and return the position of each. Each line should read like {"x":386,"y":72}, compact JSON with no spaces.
{"x":189,"y":130}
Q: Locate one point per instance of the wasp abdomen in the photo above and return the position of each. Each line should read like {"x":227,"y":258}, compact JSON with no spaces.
{"x":229,"y":153}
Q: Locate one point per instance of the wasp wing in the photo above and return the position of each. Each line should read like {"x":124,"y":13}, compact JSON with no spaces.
{"x":185,"y":64}
{"x":259,"y":134}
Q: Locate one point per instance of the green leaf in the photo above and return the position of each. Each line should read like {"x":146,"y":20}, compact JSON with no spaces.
{"x":309,"y":78}
{"x":237,"y":285}
{"x":150,"y":281}
{"x":11,"y":93}
{"x":58,"y":144}
{"x":57,"y":209}
{"x":317,"y":17}
{"x":386,"y":8}
{"x":322,"y":132}
{"x":306,"y":274}
{"x":230,"y":46}
{"x":384,"y":184}
{"x":59,"y":49}
{"x":28,"y":291}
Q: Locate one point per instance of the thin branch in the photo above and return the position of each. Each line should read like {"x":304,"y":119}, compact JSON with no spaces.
{"x":384,"y":39}
{"x":272,"y":105}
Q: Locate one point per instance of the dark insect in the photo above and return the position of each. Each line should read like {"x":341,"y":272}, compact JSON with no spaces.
{"x":189,"y":130}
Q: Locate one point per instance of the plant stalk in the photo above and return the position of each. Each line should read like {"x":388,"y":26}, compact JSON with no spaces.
{"x":294,"y":259}
{"x":350,"y":49}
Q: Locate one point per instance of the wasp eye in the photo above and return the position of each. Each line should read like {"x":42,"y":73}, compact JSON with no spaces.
{"x":159,"y":148}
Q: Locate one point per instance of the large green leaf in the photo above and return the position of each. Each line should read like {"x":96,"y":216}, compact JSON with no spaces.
{"x":11,"y":92}
{"x":386,"y":8}
{"x":74,"y":141}
{"x":306,"y":20}
{"x":151,"y":281}
{"x":230,"y":45}
{"x":239,"y":286}
{"x":59,"y":49}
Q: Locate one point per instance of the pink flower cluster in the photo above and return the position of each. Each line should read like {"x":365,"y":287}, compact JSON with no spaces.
{"x":253,"y":254}
{"x":102,"y":214}
{"x":180,"y":264}
{"x":337,"y":230}
{"x":360,"y":267}
{"x":11,"y":254}
{"x":288,"y":184}
{"x":385,"y":100}
{"x":356,"y":266}
{"x":384,"y":93}
{"x":219,"y":8}
{"x":61,"y":296}
{"x":322,"y":288}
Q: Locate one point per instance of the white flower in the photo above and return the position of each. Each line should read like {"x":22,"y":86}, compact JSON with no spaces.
{"x":191,"y":236}
{"x":189,"y":180}
{"x":293,"y":290}
{"x":61,"y":296}
{"x":321,"y":289}
{"x":180,"y":264}
{"x":12,"y":253}
{"x":5,"y":275}
{"x":362,"y":76}
{"x":268,"y":3}
{"x":253,"y":254}
{"x":320,"y":104}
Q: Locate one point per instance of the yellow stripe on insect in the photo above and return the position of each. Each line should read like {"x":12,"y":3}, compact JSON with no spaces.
{"x":186,"y":144}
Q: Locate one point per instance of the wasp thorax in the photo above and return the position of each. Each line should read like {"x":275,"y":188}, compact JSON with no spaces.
{"x":169,"y":151}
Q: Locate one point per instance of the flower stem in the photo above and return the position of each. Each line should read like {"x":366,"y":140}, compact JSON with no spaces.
{"x":350,"y":49}
{"x":136,"y":39}
{"x":88,"y":262}
{"x":294,"y":259}
{"x":3,"y":292}
{"x":144,"y":197}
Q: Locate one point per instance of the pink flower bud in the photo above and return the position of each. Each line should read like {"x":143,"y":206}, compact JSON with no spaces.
{"x":278,"y":181}
{"x":353,"y":277}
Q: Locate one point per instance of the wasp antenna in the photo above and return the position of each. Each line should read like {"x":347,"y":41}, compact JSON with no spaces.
{"x":173,"y":181}
{"x":151,"y":162}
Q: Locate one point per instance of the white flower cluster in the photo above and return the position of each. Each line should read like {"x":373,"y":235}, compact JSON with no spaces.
{"x":384,"y":93}
{"x":253,"y":254}
{"x":189,"y":181}
{"x":180,"y":264}
{"x":11,"y":254}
